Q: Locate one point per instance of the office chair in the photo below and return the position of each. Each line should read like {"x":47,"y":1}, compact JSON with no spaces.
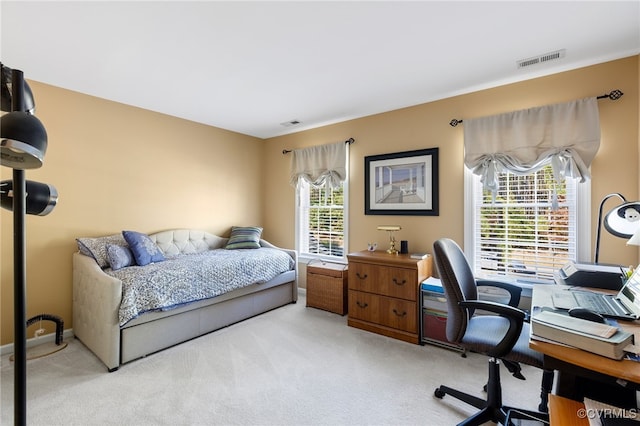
{"x":504,"y":336}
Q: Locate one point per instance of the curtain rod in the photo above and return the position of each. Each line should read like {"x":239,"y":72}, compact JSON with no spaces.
{"x":614,"y":96}
{"x":349,"y":141}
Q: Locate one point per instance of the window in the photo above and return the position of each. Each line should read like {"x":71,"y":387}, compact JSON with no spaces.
{"x":520,"y":236}
{"x":321,"y":221}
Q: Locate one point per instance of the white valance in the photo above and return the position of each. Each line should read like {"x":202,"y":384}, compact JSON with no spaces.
{"x":523,"y":141}
{"x":320,"y":165}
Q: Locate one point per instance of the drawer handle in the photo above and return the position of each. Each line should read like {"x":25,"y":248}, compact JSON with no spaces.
{"x":362,"y":277}
{"x":403,"y":314}
{"x":361,"y":304}
{"x":396,"y":282}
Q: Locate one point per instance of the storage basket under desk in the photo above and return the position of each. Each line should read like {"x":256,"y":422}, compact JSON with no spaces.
{"x":327,"y":286}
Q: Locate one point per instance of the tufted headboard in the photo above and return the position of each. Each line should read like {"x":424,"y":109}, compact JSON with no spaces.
{"x":186,"y":241}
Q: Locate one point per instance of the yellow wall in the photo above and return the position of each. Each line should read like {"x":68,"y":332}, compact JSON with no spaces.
{"x":117,"y":167}
{"x":615,"y":168}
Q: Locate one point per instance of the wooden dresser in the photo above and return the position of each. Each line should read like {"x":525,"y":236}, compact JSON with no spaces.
{"x":383,"y":292}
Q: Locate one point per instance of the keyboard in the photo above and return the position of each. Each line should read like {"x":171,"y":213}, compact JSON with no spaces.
{"x":596,"y":304}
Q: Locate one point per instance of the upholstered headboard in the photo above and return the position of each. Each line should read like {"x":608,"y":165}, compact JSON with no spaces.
{"x":186,"y":241}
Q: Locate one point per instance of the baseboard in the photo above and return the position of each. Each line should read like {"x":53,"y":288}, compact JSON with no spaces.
{"x":35,"y":341}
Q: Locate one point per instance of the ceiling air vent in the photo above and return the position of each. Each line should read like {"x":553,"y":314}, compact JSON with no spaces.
{"x":540,"y":59}
{"x":291,"y":123}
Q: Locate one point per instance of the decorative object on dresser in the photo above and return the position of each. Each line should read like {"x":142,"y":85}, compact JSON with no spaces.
{"x":392,"y":239}
{"x":383,"y":292}
{"x":327,"y":286}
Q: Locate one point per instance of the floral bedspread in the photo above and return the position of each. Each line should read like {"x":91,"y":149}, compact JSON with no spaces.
{"x":188,"y":278}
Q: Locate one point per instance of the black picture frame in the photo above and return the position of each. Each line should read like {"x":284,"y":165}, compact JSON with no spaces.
{"x":402,"y":183}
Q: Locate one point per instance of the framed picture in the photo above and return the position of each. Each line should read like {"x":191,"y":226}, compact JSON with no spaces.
{"x":402,"y":183}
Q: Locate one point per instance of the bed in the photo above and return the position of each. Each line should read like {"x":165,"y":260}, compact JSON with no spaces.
{"x":122,"y":313}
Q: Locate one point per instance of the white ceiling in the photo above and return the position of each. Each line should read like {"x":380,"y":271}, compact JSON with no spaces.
{"x":249,"y":66}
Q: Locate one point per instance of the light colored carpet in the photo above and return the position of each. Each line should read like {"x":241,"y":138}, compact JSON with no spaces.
{"x":291,"y":366}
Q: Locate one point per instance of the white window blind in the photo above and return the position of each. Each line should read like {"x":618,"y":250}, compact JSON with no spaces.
{"x":319,"y":175}
{"x":520,"y":235}
{"x":321,"y":228}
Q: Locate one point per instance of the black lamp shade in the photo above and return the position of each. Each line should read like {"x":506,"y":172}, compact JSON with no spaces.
{"x":23,"y":141}
{"x":624,"y":220}
{"x":41,"y":197}
{"x":6,"y":93}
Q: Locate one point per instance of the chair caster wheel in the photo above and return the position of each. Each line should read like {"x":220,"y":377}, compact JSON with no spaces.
{"x":438,"y":393}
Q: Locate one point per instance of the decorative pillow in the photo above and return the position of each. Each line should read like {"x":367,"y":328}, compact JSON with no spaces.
{"x":119,"y":256}
{"x":244,"y":237}
{"x":144,"y":249}
{"x":97,"y":247}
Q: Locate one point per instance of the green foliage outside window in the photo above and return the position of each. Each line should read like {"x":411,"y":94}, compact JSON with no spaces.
{"x":520,"y":231}
{"x":326,"y":221}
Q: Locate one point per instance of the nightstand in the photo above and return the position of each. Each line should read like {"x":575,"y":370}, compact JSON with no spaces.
{"x":383,"y":292}
{"x":327,"y":286}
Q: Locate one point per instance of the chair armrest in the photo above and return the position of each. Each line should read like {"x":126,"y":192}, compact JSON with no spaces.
{"x":515,"y":317}
{"x":514,"y":290}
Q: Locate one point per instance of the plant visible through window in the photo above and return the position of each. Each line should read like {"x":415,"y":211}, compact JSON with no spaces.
{"x":325,"y":217}
{"x":520,"y":234}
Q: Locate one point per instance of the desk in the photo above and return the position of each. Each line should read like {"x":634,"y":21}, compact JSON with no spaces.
{"x":570,"y":362}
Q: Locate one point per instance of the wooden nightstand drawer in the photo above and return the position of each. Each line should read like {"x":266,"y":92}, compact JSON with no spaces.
{"x":383,"y":310}
{"x":389,"y":281}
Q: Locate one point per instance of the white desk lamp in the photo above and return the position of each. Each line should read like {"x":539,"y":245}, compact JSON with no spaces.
{"x":635,"y":239}
{"x":623,"y":221}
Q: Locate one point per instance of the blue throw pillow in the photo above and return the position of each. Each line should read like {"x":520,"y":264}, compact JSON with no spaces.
{"x":119,"y":257}
{"x":97,"y":247}
{"x":244,"y":237}
{"x":144,"y":250}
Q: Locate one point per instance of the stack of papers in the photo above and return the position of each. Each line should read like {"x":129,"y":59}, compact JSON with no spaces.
{"x":432,"y":284}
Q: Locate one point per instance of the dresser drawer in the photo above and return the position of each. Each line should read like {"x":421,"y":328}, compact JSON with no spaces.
{"x":385,"y":280}
{"x":383,"y":310}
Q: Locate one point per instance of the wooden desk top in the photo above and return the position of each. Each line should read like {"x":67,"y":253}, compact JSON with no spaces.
{"x":624,"y":369}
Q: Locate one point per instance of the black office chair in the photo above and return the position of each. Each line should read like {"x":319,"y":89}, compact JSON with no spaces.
{"x":503,"y":336}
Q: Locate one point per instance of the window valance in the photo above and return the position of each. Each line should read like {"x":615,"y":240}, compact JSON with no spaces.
{"x":523,"y":141}
{"x":320,"y":165}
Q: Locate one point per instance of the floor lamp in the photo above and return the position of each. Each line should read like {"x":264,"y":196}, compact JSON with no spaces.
{"x":23,"y":143}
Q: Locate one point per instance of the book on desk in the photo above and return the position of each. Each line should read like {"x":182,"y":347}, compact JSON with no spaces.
{"x":602,"y":339}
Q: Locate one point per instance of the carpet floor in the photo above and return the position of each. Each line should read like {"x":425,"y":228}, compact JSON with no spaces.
{"x":291,"y":366}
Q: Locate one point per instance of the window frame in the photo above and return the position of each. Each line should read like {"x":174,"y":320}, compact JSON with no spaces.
{"x":307,"y":257}
{"x":583,"y":225}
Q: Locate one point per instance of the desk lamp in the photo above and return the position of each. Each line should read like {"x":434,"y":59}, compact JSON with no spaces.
{"x":392,"y":239}
{"x":623,"y":221}
{"x":23,"y":143}
{"x":635,"y":240}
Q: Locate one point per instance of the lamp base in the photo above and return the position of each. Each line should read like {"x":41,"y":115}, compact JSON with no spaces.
{"x":42,"y":350}
{"x":392,"y":244}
